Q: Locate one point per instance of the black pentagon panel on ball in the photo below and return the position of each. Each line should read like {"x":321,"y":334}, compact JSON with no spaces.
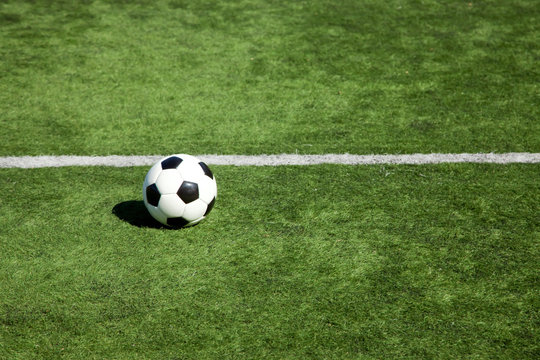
{"x":210,"y":206}
{"x":152,"y":195}
{"x":188,"y":192}
{"x":206,"y":170}
{"x":171,"y":162}
{"x":177,"y":222}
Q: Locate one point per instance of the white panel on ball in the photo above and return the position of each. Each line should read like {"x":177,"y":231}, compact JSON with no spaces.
{"x":157,"y":214}
{"x":190,"y":170}
{"x":144,"y":186}
{"x":207,"y":189}
{"x":194,"y":222}
{"x":152,"y":174}
{"x":171,"y":205}
{"x":169,"y":181}
{"x":194,"y":210}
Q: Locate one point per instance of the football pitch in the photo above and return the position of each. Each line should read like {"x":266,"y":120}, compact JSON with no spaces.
{"x":377,"y":165}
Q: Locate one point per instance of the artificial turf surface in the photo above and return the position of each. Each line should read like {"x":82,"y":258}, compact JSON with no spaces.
{"x":253,"y":76}
{"x":294,"y":262}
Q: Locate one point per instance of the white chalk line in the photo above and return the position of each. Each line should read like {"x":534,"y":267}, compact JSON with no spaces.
{"x":272,"y":160}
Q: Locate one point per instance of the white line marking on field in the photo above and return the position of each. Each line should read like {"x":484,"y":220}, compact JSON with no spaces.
{"x":271,"y":160}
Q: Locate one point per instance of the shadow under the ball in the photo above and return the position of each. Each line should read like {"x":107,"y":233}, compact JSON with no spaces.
{"x":134,"y":212}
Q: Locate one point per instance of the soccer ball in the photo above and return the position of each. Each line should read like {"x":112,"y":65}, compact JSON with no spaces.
{"x":179,"y":191}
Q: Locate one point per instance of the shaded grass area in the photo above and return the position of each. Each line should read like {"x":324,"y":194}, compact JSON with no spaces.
{"x":293,"y":262}
{"x":250,"y":76}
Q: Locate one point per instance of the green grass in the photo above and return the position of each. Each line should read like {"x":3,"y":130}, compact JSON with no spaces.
{"x":293,"y":263}
{"x":253,"y":76}
{"x":320,"y":262}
